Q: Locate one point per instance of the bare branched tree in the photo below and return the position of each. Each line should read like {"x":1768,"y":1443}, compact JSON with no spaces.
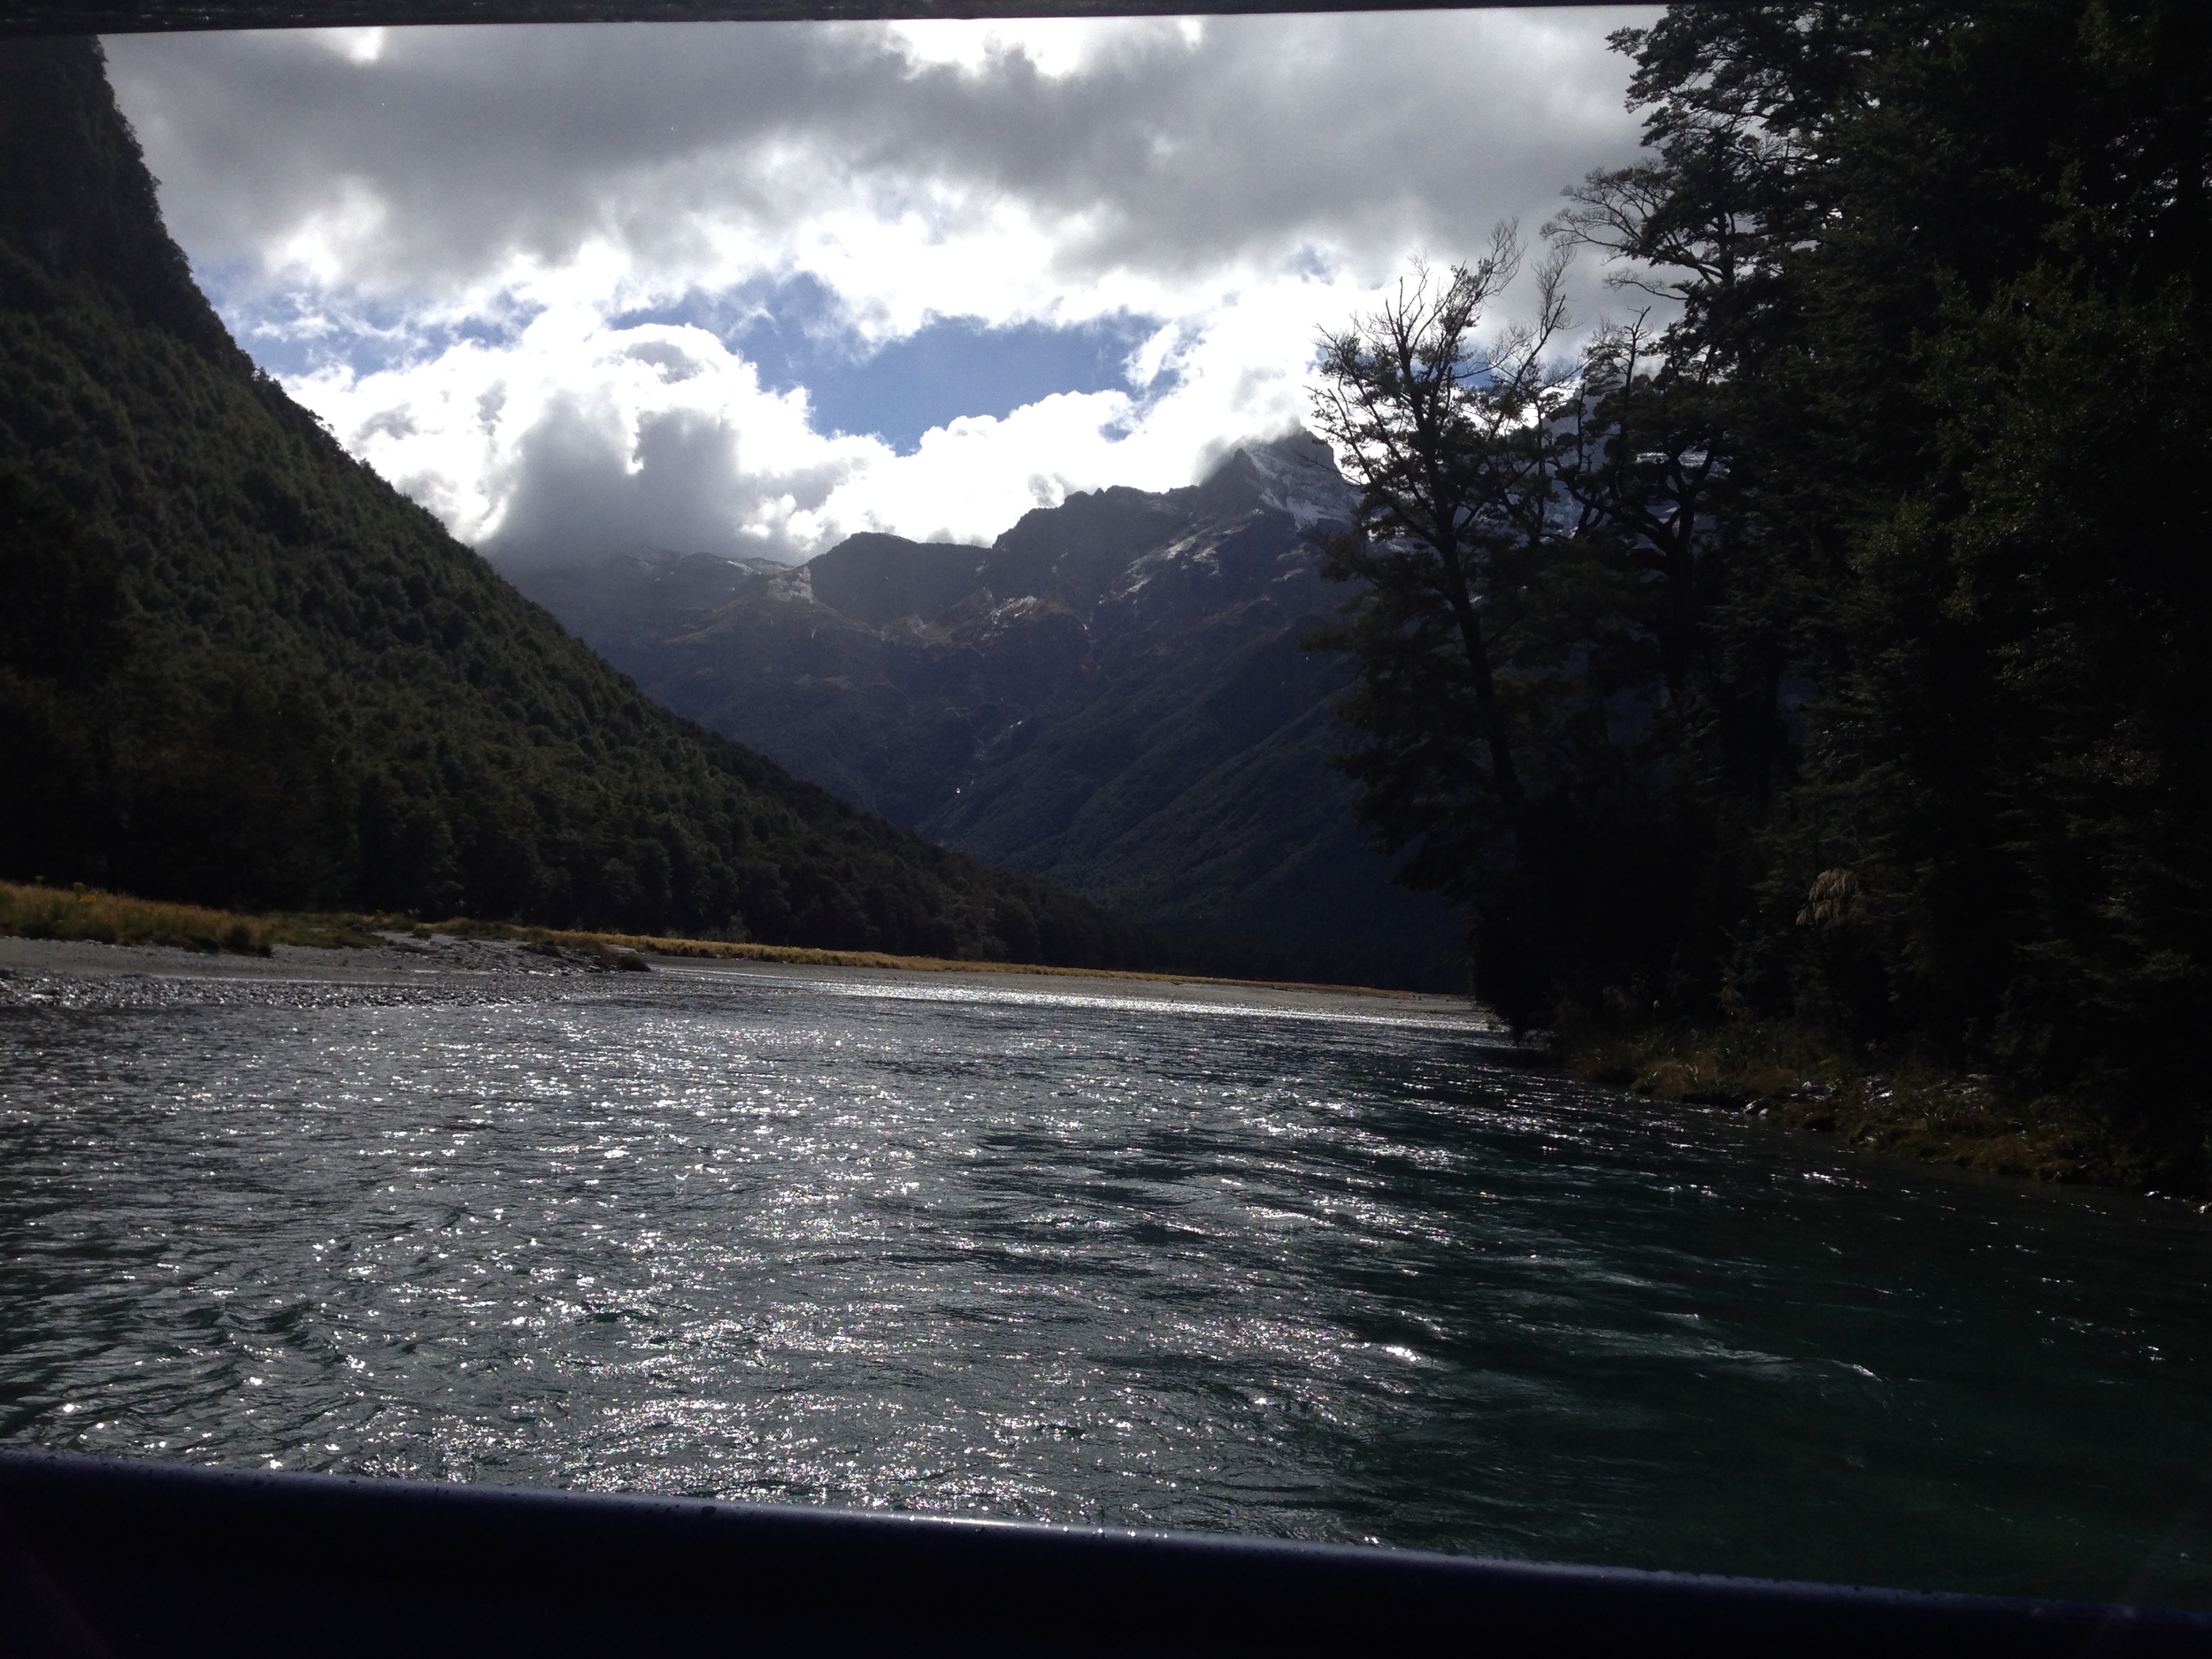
{"x":1452,"y":443}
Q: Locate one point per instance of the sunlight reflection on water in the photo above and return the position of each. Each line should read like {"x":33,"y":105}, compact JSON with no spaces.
{"x":1124,"y":1260}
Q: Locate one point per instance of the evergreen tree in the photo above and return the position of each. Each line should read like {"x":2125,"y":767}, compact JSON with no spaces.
{"x":1503,"y":678}
{"x":1907,"y":510}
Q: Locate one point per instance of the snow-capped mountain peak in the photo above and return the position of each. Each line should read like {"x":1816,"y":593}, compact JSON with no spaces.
{"x":1297,"y":474}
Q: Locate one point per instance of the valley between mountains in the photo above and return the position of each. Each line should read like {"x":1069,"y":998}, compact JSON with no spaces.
{"x":239,"y":669}
{"x":1111,"y":697}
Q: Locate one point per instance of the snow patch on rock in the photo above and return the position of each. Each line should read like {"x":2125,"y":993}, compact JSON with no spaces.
{"x":1298,"y":476}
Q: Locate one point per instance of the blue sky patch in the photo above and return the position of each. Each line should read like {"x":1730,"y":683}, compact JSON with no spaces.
{"x":793,"y":333}
{"x":292,"y":334}
{"x":956,"y":366}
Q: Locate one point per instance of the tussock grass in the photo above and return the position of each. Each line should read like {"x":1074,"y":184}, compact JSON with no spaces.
{"x":116,"y":918}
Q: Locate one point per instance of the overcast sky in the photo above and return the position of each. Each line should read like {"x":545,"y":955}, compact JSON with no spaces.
{"x":745,"y":288}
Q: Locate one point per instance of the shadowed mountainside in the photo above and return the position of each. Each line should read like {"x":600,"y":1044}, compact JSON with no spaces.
{"x":1110,"y":697}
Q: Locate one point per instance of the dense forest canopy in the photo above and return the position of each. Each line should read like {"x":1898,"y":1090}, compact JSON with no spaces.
{"x":1828,"y":643}
{"x":236,"y":667}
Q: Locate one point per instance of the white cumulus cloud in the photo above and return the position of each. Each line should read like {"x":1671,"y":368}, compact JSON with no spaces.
{"x":508,"y":264}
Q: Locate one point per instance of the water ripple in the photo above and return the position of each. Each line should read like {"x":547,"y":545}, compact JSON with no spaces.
{"x":1041,"y":1254}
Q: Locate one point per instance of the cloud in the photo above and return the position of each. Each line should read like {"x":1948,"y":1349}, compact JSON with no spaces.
{"x":443,"y":238}
{"x":581,"y":436}
{"x":577,"y":438}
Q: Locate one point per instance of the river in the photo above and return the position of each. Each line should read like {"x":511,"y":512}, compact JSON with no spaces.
{"x":1039,"y":1249}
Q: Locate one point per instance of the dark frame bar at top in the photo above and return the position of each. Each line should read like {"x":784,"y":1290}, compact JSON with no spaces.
{"x":137,"y":17}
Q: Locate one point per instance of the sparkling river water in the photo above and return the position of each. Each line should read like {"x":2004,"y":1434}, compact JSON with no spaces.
{"x":1046,"y":1253}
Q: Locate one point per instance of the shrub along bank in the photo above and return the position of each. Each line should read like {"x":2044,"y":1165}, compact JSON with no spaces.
{"x":1908,"y":1105}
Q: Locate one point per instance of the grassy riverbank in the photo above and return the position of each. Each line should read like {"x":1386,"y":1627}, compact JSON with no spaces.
{"x":1784,"y":1075}
{"x":1901,"y":1104}
{"x":117,"y":919}
{"x":658,"y":945}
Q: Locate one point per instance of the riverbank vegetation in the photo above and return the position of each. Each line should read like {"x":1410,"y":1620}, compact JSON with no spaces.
{"x":77,"y":912}
{"x":1916,"y":1106}
{"x":114,"y":918}
{"x":1817,"y":664}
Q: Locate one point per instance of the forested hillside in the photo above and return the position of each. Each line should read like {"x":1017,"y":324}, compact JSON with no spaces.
{"x":1112,"y":696}
{"x":236,"y":667}
{"x":1837,"y":652}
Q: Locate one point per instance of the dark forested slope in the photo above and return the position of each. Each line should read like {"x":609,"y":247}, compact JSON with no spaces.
{"x":1110,"y":697}
{"x":236,"y":666}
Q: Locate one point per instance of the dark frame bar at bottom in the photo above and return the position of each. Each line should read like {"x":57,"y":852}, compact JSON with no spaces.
{"x":101,"y":1556}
